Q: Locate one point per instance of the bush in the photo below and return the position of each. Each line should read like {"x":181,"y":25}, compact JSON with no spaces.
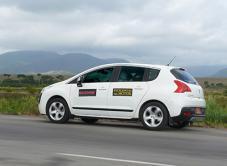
{"x":206,"y":84}
{"x":21,"y":76}
{"x":31,"y":90}
{"x":220,"y":85}
{"x":8,"y":89}
{"x":225,"y":92}
{"x":10,"y":82}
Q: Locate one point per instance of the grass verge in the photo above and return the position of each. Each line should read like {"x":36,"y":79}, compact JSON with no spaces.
{"x":19,"y":105}
{"x":216,"y":112}
{"x":25,"y":103}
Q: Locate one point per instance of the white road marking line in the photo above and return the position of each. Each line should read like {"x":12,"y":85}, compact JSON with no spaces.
{"x":113,"y":159}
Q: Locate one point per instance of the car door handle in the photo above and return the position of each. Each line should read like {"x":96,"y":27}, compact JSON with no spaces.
{"x":102,"y":88}
{"x":138,"y":88}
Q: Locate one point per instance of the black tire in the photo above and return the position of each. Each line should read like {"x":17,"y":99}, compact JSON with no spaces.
{"x":179,"y":125}
{"x":64,"y":118}
{"x":162,"y":113}
{"x":89,"y":120}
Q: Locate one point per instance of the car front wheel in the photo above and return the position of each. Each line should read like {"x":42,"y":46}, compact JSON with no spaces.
{"x":58,"y":110}
{"x":154,"y":116}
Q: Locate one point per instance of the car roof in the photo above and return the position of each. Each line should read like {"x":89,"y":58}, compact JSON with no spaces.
{"x":160,"y":67}
{"x":137,"y":65}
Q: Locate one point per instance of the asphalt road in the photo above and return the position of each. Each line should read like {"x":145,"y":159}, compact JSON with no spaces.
{"x":35,"y":141}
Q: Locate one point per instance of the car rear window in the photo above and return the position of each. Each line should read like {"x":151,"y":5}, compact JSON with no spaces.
{"x":183,"y":75}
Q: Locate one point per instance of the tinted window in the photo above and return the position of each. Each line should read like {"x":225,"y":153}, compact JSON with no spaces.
{"x":152,"y":74}
{"x":102,"y":75}
{"x":182,"y":75}
{"x":129,"y":74}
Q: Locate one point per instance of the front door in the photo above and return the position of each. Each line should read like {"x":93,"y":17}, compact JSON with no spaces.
{"x":91,"y":98}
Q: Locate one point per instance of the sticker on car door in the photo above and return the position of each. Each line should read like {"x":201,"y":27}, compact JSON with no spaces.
{"x":87,"y":92}
{"x":122,"y":92}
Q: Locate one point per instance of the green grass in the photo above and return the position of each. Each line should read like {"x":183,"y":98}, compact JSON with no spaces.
{"x":19,"y":105}
{"x":28,"y":89}
{"x":19,"y":100}
{"x":216,"y":113}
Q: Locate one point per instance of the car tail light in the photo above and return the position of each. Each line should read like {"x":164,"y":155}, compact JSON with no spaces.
{"x":181,"y":87}
{"x":187,"y":114}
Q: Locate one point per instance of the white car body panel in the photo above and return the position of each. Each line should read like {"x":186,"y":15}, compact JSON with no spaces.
{"x":98,"y":101}
{"x":61,"y":89}
{"x":139,"y":89}
{"x":161,"y":89}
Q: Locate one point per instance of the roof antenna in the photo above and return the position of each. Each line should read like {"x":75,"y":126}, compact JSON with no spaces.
{"x":171,"y":61}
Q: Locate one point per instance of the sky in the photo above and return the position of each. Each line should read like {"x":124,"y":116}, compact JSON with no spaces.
{"x":144,"y":31}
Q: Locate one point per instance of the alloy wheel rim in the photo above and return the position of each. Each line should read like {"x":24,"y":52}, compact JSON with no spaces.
{"x":153,"y":116}
{"x":57,"y":111}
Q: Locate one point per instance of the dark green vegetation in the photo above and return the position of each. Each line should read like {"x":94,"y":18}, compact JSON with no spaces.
{"x":22,"y":80}
{"x":216,"y":112}
{"x":18,"y":95}
{"x":16,"y":104}
{"x":216,"y":98}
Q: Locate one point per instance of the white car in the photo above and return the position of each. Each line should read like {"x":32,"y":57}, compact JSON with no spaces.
{"x":157,"y":95}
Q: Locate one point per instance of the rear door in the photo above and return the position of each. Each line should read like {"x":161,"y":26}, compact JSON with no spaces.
{"x":126,"y":92}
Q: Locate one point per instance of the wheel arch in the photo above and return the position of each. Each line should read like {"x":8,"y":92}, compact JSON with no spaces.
{"x":54,"y":97}
{"x":153,"y":100}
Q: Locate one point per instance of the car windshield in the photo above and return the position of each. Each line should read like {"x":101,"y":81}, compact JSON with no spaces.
{"x":183,"y":75}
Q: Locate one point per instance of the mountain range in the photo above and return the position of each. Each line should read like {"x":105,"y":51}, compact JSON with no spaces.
{"x":51,"y":62}
{"x":208,"y":70}
{"x":48,"y":62}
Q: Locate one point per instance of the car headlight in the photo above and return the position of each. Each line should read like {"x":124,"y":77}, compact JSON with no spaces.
{"x":39,"y":97}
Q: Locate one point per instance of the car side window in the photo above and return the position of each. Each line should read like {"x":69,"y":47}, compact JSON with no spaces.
{"x":102,"y":75}
{"x":130,"y":74}
{"x":152,"y":74}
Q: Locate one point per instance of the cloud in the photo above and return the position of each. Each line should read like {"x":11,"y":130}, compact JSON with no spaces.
{"x":139,"y":30}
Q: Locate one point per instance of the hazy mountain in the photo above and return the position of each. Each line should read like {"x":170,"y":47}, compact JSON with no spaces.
{"x":43,"y":61}
{"x":221,"y":73}
{"x":207,"y":71}
{"x":51,"y":62}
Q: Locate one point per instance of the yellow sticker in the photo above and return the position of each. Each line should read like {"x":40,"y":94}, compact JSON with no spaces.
{"x":122,"y":92}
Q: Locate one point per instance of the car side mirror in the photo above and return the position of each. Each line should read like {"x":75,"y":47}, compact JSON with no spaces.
{"x":79,"y":82}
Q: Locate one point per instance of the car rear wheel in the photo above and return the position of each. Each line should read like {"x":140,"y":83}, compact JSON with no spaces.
{"x":154,"y":116}
{"x":89,"y":120}
{"x":58,"y":110}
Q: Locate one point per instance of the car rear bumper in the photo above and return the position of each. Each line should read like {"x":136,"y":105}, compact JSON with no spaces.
{"x":190,"y":114}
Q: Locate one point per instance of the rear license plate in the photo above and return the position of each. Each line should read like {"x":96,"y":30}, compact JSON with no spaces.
{"x":198,"y":111}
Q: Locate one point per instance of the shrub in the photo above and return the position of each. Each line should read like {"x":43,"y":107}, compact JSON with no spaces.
{"x":8,"y":89}
{"x":31,"y":90}
{"x":220,"y":85}
{"x":225,"y":92}
{"x":206,"y":84}
{"x":21,"y":76}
